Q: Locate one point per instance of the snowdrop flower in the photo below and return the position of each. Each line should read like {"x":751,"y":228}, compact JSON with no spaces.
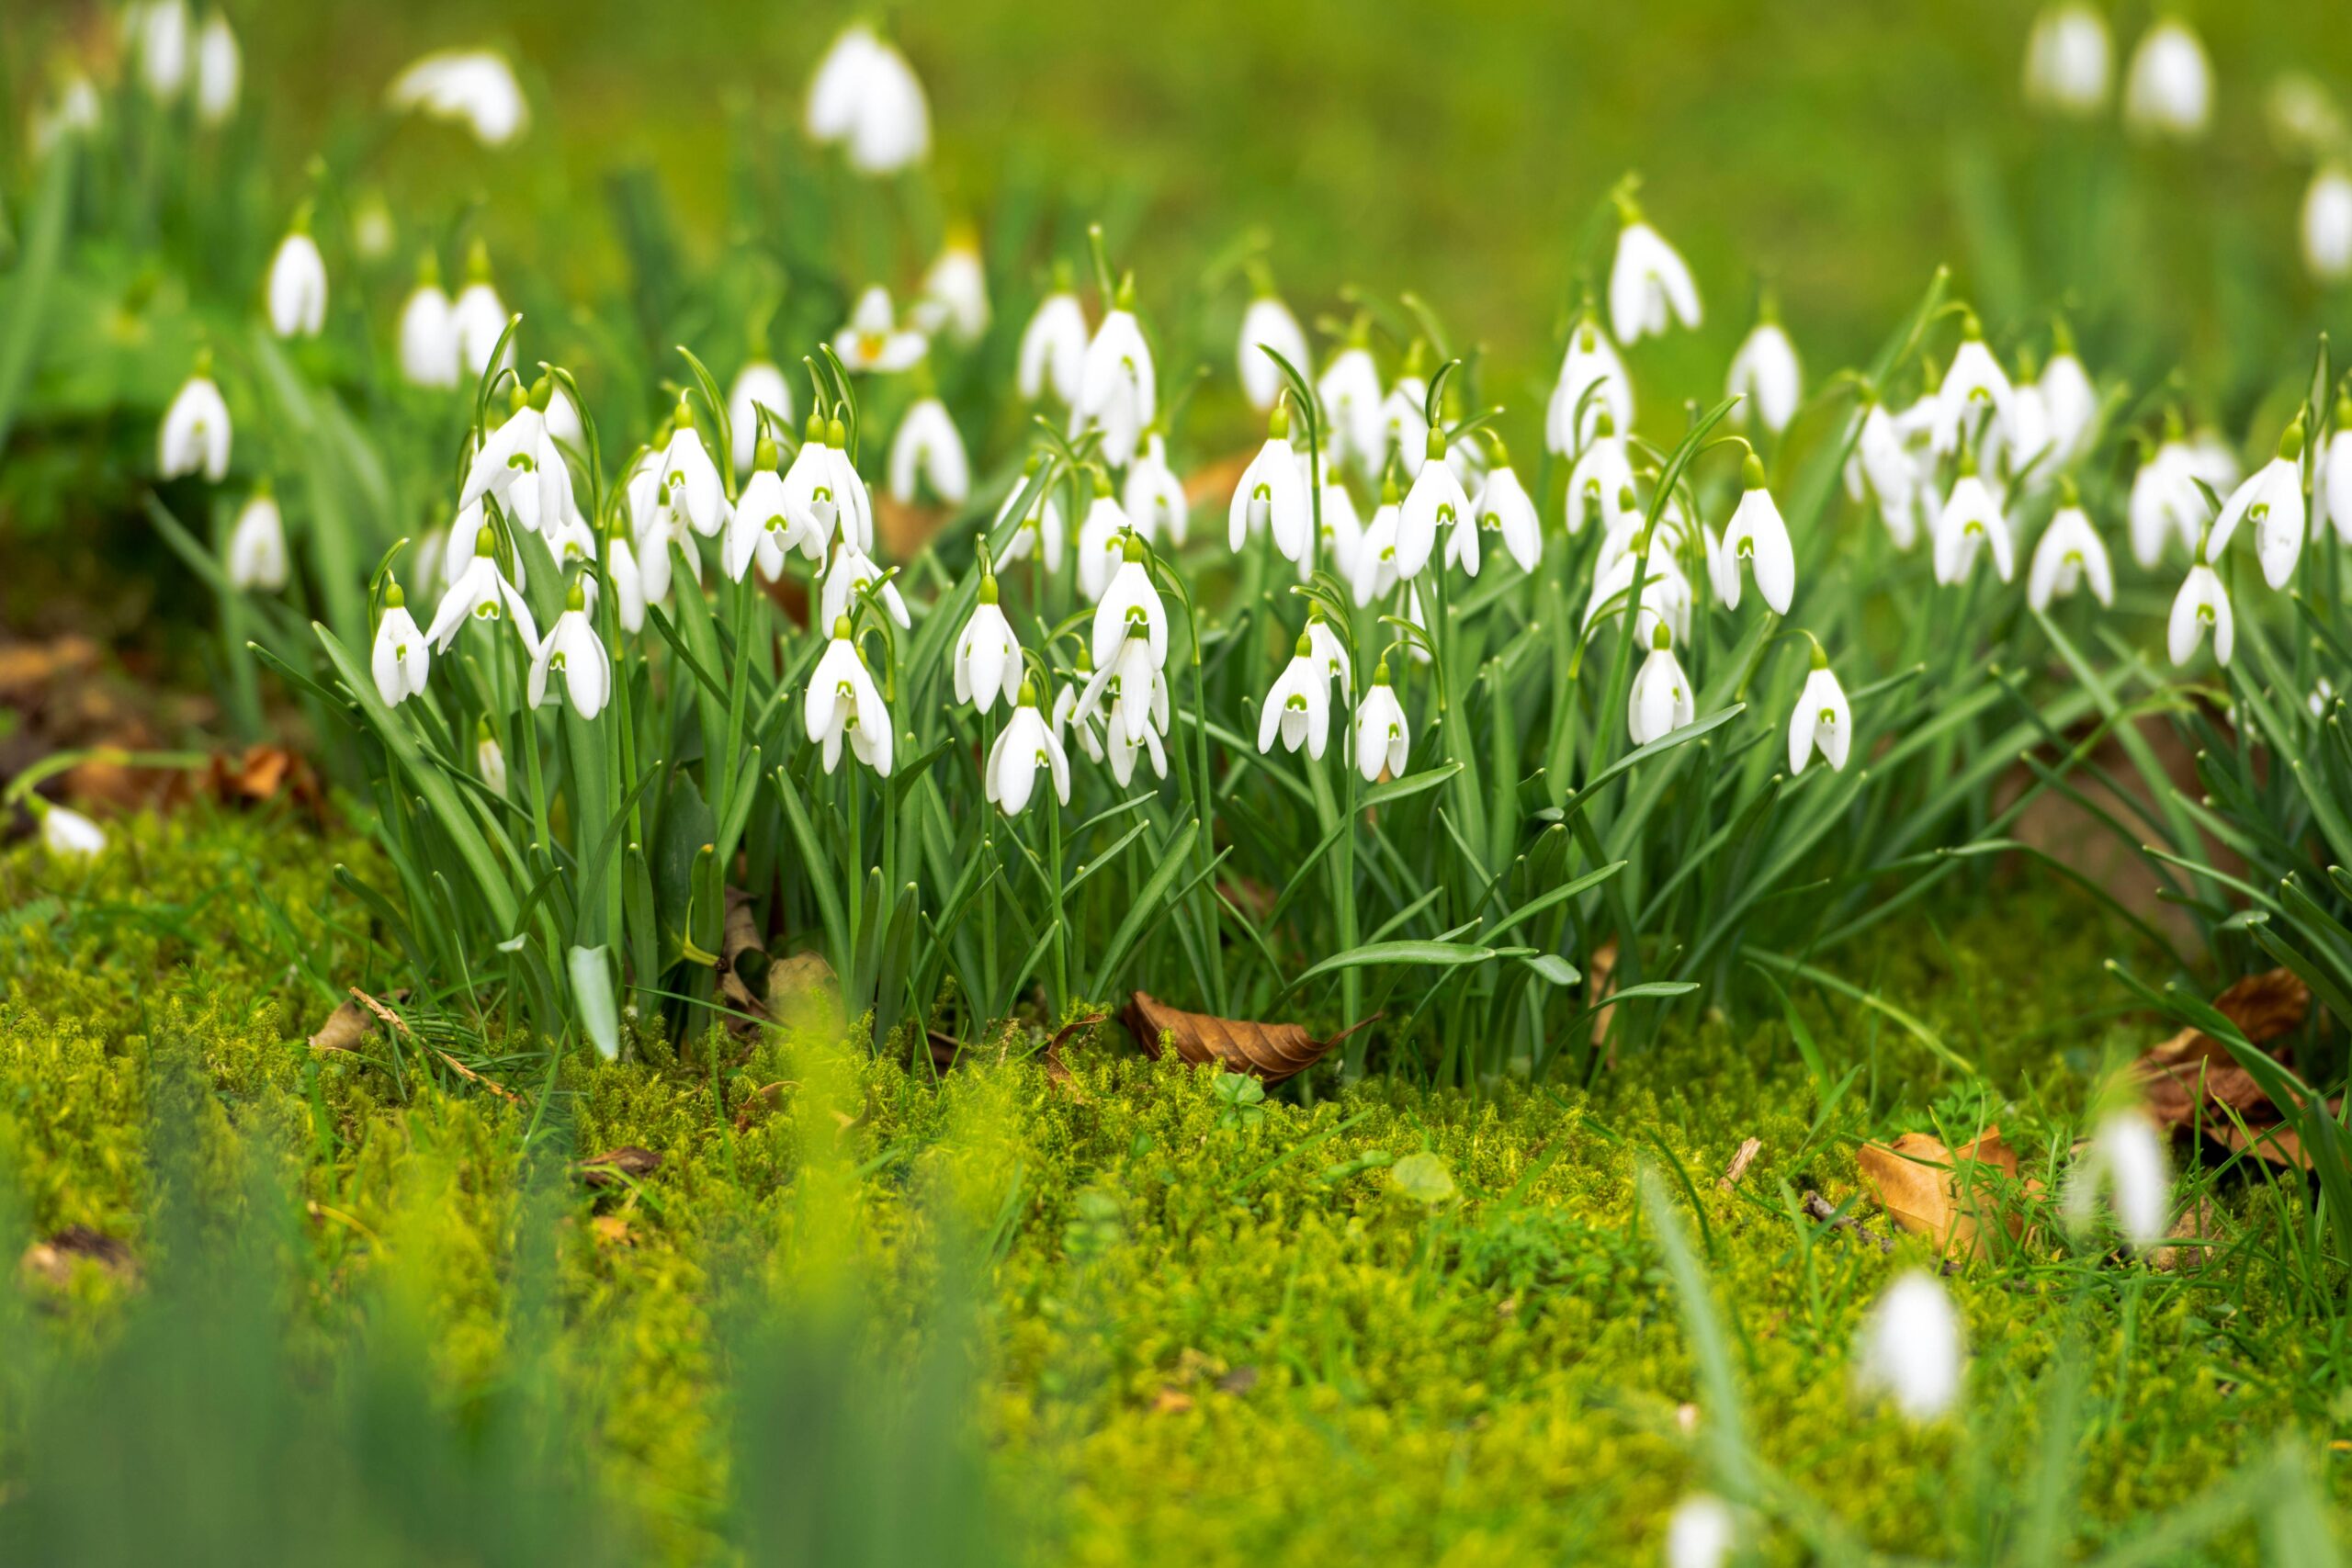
{"x":158,"y":36}
{"x":2166,"y":503}
{"x":1123,"y":749}
{"x":1821,"y":721}
{"x":220,"y":71}
{"x":1350,"y":393}
{"x":195,"y":434}
{"x":988,"y":656}
{"x":1299,"y":706}
{"x":2068,"y":59}
{"x":1268,"y":323}
{"x":1698,"y":1533}
{"x":1505,"y":508}
{"x":479,"y":317}
{"x":2322,"y":694}
{"x":628,"y":582}
{"x":428,"y":331}
{"x":866,"y":98}
{"x":696,"y":492}
{"x":76,"y":112}
{"x":1970,"y":518}
{"x":1154,"y":497}
{"x":2168,"y":92}
{"x":1975,"y":381}
{"x":843,"y":702}
{"x":2021,"y":451}
{"x":1911,"y":1349}
{"x":1040,"y":532}
{"x":1405,"y":426}
{"x":574,"y":650}
{"x":1342,"y":537}
{"x":1053,"y":348}
{"x":66,"y":833}
{"x":926,"y":444}
{"x":955,"y":292}
{"x":2200,"y":604}
{"x":2070,"y":552}
{"x":1330,"y":653}
{"x":258,"y":545}
{"x":1376,"y":571}
{"x":480,"y":593}
{"x":1603,"y":473}
{"x":490,"y":757}
{"x":371,"y":226}
{"x":475,"y":89}
{"x":1667,"y":598}
{"x":1116,"y":386}
{"x":1882,"y":470}
{"x":765,"y":525}
{"x":1382,"y":737}
{"x":1434,"y":502}
{"x":520,"y":464}
{"x":759,"y":385}
{"x":2126,"y":1160}
{"x":813,"y":500}
{"x":2069,"y":401}
{"x":1086,"y":726}
{"x":1592,"y":379}
{"x":853,"y":573}
{"x":1027,"y":744}
{"x":2273,"y":500}
{"x":872,"y":340}
{"x":1101,"y":539}
{"x":2332,"y":487}
{"x":1271,"y":495}
{"x":1765,"y":374}
{"x":1128,"y":604}
{"x":1647,"y":281}
{"x":1660,"y":702}
{"x":1757,"y":538}
{"x":400,"y":659}
{"x":2327,"y":224}
{"x":298,"y":283}
{"x":1133,"y":687}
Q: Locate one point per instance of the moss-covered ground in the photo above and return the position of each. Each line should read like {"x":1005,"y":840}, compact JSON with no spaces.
{"x":1209,"y":1328}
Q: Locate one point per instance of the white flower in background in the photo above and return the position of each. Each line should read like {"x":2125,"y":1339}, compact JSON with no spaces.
{"x":2168,"y":92}
{"x":926,"y":445}
{"x":1757,"y":538}
{"x":1341,"y":534}
{"x":480,"y":593}
{"x":1660,"y":702}
{"x":1649,"y":286}
{"x":258,"y":545}
{"x":220,"y":71}
{"x":371,"y":226}
{"x":765,"y":525}
{"x":2024,"y":450}
{"x":1666,"y":597}
{"x":1376,"y":571}
{"x":1434,"y":502}
{"x":158,"y":31}
{"x":1881,"y":468}
{"x":76,"y":111}
{"x":1971,"y":519}
{"x":1404,"y":424}
{"x":1053,"y":349}
{"x":1592,"y":381}
{"x":760,"y":384}
{"x":1298,"y":707}
{"x":1603,"y":477}
{"x":195,"y":434}
{"x":2166,"y":503}
{"x":1101,"y":539}
{"x":1765,"y":374}
{"x":1040,"y":532}
{"x":2322,"y":694}
{"x":68,"y":834}
{"x":1673,"y":532}
{"x":866,"y":98}
{"x":298,"y":284}
{"x":1330,"y":653}
{"x":2070,"y":553}
{"x":472,"y":87}
{"x":479,"y":317}
{"x":2200,"y":604}
{"x":696,"y":492}
{"x":1383,"y":737}
{"x":2301,"y":115}
{"x":628,"y":582}
{"x":2272,"y":499}
{"x":1116,"y":389}
{"x":1268,"y":323}
{"x":872,"y":340}
{"x":1821,"y":720}
{"x":1349,"y":392}
{"x":2327,"y":224}
{"x":1504,"y":507}
{"x":428,"y":333}
{"x":1911,"y":1349}
{"x":1271,"y":495}
{"x":400,"y":659}
{"x":2068,"y":58}
{"x":851,"y":576}
{"x":954,"y":298}
{"x":2332,"y":486}
{"x":490,"y":757}
{"x":988,"y":656}
{"x":1974,"y":381}
{"x":2069,"y":399}
{"x":1130,"y":606}
{"x":1154,"y":496}
{"x":574,"y":650}
{"x":1027,"y":744}
{"x":845,"y":703}
{"x":2126,"y":1160}
{"x":1698,"y":1533}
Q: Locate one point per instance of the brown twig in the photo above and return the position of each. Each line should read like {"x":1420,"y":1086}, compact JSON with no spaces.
{"x":1820,"y":1208}
{"x":1748,"y":1150}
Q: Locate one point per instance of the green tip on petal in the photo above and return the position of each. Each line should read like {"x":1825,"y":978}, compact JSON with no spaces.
{"x":765,"y":456}
{"x":1751,"y":472}
{"x":841,"y":628}
{"x":1028,"y":696}
{"x":988,"y":589}
{"x":577,"y":599}
{"x":485,"y":541}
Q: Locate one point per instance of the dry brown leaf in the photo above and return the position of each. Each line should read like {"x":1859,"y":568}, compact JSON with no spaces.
{"x":345,"y":1028}
{"x":1272,"y":1051}
{"x":53,"y":1260}
{"x":1600,"y":984}
{"x":257,"y":775}
{"x":612,"y":1230}
{"x":744,"y":968}
{"x":607,"y":1169}
{"x":1929,"y":1189}
{"x":2191,"y":1080}
{"x":767,"y":1097}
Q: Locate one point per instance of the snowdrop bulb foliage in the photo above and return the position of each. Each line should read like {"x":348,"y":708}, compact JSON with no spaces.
{"x":865,"y":99}
{"x":2070,"y":553}
{"x":1766,"y":376}
{"x":1971,"y":520}
{"x":955,"y":295}
{"x":195,"y":434}
{"x":2272,"y":499}
{"x":2169,"y":93}
{"x":258,"y":545}
{"x":298,"y":284}
{"x":1053,"y":349}
{"x":760,"y":384}
{"x":1271,"y":495}
{"x":1660,"y":702}
{"x":926,"y":448}
{"x":428,"y":333}
{"x":159,"y":35}
{"x":1116,"y":385}
{"x":475,"y":89}
{"x":1911,"y":1349}
{"x":1822,"y":722}
{"x":2068,"y":58}
{"x":2126,"y":1161}
{"x":1698,"y":1533}
{"x":1592,"y":382}
{"x":1757,"y":540}
{"x":1298,"y":708}
{"x":2327,"y":224}
{"x":1154,"y":497}
{"x":1649,"y":286}
{"x":988,"y":657}
{"x":573,"y":650}
{"x":1268,"y":323}
{"x":2200,"y":604}
{"x":1383,"y":737}
{"x":220,"y":71}
{"x":68,"y":834}
{"x":400,"y":659}
{"x":844,"y":703}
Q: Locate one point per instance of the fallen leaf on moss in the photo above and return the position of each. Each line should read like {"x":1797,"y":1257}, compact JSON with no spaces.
{"x":1422,"y":1177}
{"x":256,"y":776}
{"x":1269,"y":1052}
{"x":612,"y":1230}
{"x":765,"y":1098}
{"x":1171,"y":1402}
{"x":2191,"y":1080}
{"x":744,"y":966}
{"x":1931,"y":1190}
{"x":345,"y":1028}
{"x":53,"y":1260}
{"x":607,"y":1169}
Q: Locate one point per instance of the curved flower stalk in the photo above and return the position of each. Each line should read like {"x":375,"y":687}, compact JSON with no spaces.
{"x":2202,"y":605}
{"x":1755,"y":539}
{"x":1271,"y":495}
{"x":196,"y":433}
{"x":844,"y":703}
{"x":1154,"y":497}
{"x":1766,"y":374}
{"x":865,"y":99}
{"x":258,"y":545}
{"x":2069,"y":554}
{"x":2272,"y":500}
{"x":1382,"y":739}
{"x":1821,"y":720}
{"x":1911,"y":1349}
{"x":573,"y":650}
{"x":1027,"y":744}
{"x":475,"y":89}
{"x":988,"y":656}
{"x":298,"y":283}
{"x":1660,"y":702}
{"x":1298,"y":707}
{"x":872,"y":341}
{"x":1649,"y":285}
{"x":401,"y":659}
{"x":1592,"y":378}
{"x":1266,"y":324}
{"x":928,"y":447}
